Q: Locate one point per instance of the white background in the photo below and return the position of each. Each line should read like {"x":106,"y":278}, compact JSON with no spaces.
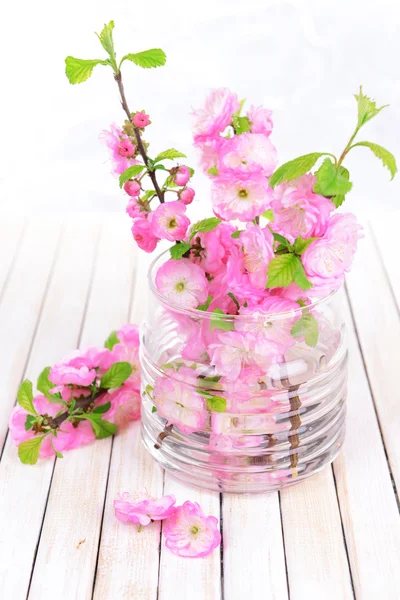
{"x":303,"y":59}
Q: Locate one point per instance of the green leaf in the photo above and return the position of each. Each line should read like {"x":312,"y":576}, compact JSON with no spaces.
{"x":28,"y":451}
{"x":147,"y":195}
{"x":301,"y":244}
{"x":130,"y":173}
{"x":170,"y":154}
{"x":268,"y":214}
{"x":153,"y":409}
{"x":236,"y":234}
{"x":25,"y":397}
{"x":216,"y":403}
{"x":279,"y":238}
{"x":386,"y":157}
{"x":101,"y":428}
{"x":179,"y":250}
{"x":213,"y":171}
{"x":219,"y":320}
{"x":331,"y":181}
{"x":281,"y":270}
{"x":300,"y":276}
{"x":102,"y":408}
{"x":204,"y":225}
{"x":44,"y":385}
{"x":116,"y":375}
{"x":147,"y":59}
{"x":233,"y":297}
{"x":30,"y":419}
{"x":106,"y":38}
{"x":206,"y":305}
{"x":240,"y":124}
{"x":367,"y":109}
{"x":111,"y":340}
{"x":79,"y":70}
{"x":307,"y":327}
{"x":294,"y":168}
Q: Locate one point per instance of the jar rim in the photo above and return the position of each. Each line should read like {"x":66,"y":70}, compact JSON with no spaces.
{"x":196,"y":313}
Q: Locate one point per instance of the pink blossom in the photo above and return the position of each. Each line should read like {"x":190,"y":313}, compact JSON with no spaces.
{"x":248,"y":153}
{"x":112,"y":140}
{"x":141,"y":508}
{"x":129,"y":335}
{"x":211,"y":249}
{"x":178,"y":401}
{"x":257,"y":247}
{"x":92,"y":358}
{"x":236,"y":350}
{"x":186,"y":196}
{"x":260,"y":120}
{"x":182,"y":175}
{"x":125,"y":405}
{"x":298,"y":211}
{"x":130,"y":354}
{"x":263,"y":320}
{"x":327,"y":259}
{"x":210,"y":150}
{"x":65,"y":374}
{"x":169,"y":221}
{"x":132,"y":187}
{"x":216,"y":114}
{"x":137,"y":209}
{"x":239,"y":196}
{"x":182,"y":282}
{"x":126,"y":148}
{"x":141,"y":120}
{"x":144,"y":236}
{"x":188,"y":532}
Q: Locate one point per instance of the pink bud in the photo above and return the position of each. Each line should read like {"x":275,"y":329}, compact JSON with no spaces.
{"x":187,"y":195}
{"x":141,"y":120}
{"x":182,"y":175}
{"x":132,"y":187}
{"x":126,"y":148}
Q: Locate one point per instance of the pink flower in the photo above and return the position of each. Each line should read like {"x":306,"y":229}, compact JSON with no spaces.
{"x":260,"y":120}
{"x":112,"y":140}
{"x":130,"y":354}
{"x":132,"y":187}
{"x":235,"y":350}
{"x":141,"y":120}
{"x":188,"y":532}
{"x":142,"y":509}
{"x":126,"y":148}
{"x":144,"y":236}
{"x":182,"y":175}
{"x":92,"y":358}
{"x":248,"y":153}
{"x":262,"y":320}
{"x":129,"y":335}
{"x":186,"y":196}
{"x":169,"y":221}
{"x":65,"y":374}
{"x":125,"y":405}
{"x":257,"y":247}
{"x":211,"y":249}
{"x":137,"y":209}
{"x":239,"y":196}
{"x":178,"y":401}
{"x":210,"y":150}
{"x":182,"y":282}
{"x":216,"y":114}
{"x":298,"y":211}
{"x":327,"y":259}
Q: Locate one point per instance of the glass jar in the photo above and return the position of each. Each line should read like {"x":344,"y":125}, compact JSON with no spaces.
{"x":224,"y":410}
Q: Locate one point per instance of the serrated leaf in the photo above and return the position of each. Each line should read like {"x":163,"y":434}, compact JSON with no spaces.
{"x":102,"y":408}
{"x":29,"y":421}
{"x":25,"y":397}
{"x":213,"y":171}
{"x":79,"y":70}
{"x":367,"y":109}
{"x":204,"y":226}
{"x":216,"y":403}
{"x":179,"y":250}
{"x":170,"y":154}
{"x":294,"y":168}
{"x":236,"y":234}
{"x":385,"y":156}
{"x":282,"y":240}
{"x":44,"y":385}
{"x":301,"y":244}
{"x":338,"y":200}
{"x":111,"y":341}
{"x":330,"y":181}
{"x":28,"y":452}
{"x":130,"y":173}
{"x":148,"y":59}
{"x":106,"y":38}
{"x":147,"y":195}
{"x":268,"y":214}
{"x":219,"y":320}
{"x":101,"y":428}
{"x":240,"y":124}
{"x":116,"y":375}
{"x":300,"y":277}
{"x":281,"y":271}
{"x":307,"y":327}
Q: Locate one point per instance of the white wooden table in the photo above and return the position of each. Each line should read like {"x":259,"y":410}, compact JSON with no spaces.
{"x":334,"y":537}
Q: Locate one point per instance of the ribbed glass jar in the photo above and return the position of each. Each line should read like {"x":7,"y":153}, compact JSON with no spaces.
{"x":265,"y":422}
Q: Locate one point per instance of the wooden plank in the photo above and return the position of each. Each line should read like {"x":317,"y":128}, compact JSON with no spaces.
{"x":385,"y":233}
{"x":10,"y":241}
{"x":24,"y":489}
{"x":367,"y":500}
{"x":378,"y":324}
{"x":67,"y":553}
{"x":129,"y":561}
{"x":20,"y":308}
{"x":254,"y":560}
